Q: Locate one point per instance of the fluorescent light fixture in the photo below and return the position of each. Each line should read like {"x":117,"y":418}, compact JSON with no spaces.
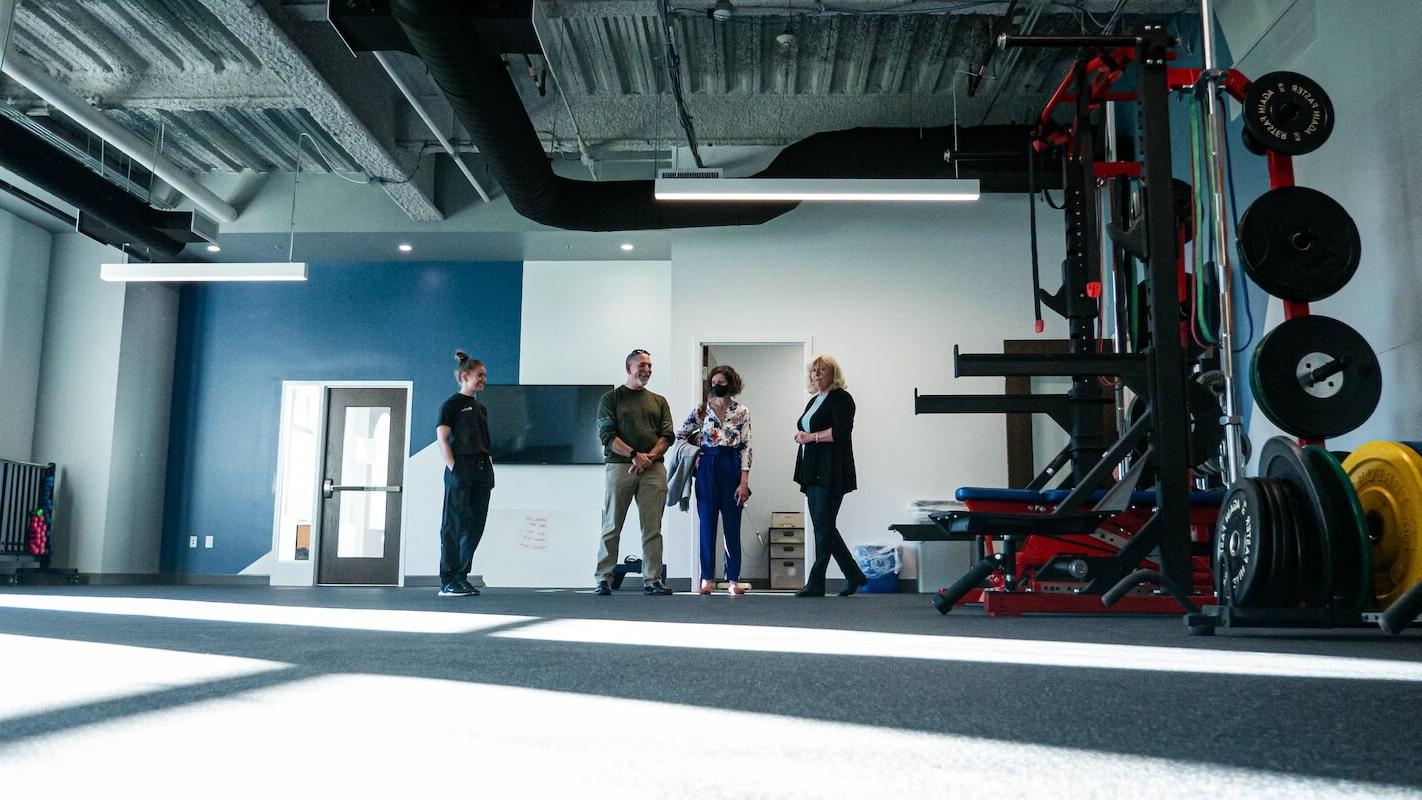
{"x":627,"y":247}
{"x":212,"y":248}
{"x":817,"y":189}
{"x":182,"y":273}
{"x":405,"y":248}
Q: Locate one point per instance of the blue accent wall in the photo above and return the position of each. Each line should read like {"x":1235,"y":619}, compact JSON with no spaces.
{"x":348,"y":322}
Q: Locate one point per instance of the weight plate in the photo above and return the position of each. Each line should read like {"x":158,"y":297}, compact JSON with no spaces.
{"x":1252,"y":144}
{"x":1206,"y":430}
{"x":1240,"y":532}
{"x":1387,"y":477}
{"x":1289,"y":377}
{"x":1301,"y":556}
{"x":1287,"y":113}
{"x":1279,"y":580}
{"x":1283,"y":459}
{"x":1350,"y":526}
{"x":1299,"y":244}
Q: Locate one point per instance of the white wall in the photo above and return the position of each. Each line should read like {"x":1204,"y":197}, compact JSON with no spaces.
{"x":103,"y":410}
{"x":887,"y":290}
{"x":1372,"y":165}
{"x":24,"y":283}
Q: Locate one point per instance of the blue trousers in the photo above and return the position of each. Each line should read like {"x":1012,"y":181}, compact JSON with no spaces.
{"x":718,"y":473}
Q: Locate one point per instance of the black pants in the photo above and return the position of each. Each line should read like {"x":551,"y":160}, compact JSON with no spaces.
{"x":824,"y":508}
{"x":466,"y":509}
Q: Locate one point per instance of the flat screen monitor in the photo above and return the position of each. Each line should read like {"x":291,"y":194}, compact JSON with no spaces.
{"x":543,"y":424}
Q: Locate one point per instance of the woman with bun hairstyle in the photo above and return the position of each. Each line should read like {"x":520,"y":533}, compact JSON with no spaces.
{"x":463,"y":436}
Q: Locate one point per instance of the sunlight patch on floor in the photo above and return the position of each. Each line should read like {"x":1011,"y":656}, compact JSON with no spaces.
{"x":38,"y":675}
{"x":371,"y":735}
{"x":359,"y":619}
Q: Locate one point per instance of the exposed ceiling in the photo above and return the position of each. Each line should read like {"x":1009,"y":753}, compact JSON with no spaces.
{"x":232,"y":85}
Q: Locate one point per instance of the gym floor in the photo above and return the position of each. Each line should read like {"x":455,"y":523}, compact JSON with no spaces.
{"x":226,"y":691}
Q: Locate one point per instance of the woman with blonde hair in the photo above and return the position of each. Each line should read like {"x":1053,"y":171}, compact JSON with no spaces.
{"x":824,"y":468}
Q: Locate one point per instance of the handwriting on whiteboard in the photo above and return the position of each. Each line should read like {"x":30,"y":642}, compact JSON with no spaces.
{"x":535,"y":533}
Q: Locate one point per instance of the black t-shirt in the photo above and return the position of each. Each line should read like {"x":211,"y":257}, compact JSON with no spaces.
{"x":469,"y":421}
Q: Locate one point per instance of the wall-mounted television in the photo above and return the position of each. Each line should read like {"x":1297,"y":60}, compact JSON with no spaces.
{"x":543,"y":424}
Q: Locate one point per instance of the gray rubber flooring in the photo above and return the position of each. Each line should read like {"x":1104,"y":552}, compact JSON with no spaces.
{"x":549,"y":693}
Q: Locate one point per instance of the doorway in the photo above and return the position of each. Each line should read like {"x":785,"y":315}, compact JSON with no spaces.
{"x":774,"y":378}
{"x":361,"y":488}
{"x":340,"y":483}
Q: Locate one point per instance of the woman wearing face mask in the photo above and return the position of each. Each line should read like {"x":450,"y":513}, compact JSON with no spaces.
{"x":824,"y":469}
{"x":721,"y":428}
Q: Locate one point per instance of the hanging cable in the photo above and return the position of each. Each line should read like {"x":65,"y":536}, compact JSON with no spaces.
{"x":1037,"y":322}
{"x":674,"y":74}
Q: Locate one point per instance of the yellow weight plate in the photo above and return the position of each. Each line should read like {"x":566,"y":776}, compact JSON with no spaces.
{"x":1388,"y":479}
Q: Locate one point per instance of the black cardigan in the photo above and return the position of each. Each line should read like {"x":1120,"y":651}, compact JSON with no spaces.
{"x":829,"y":463}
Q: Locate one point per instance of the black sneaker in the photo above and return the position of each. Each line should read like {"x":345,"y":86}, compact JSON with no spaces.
{"x":469,"y":588}
{"x":603,"y":588}
{"x":454,"y":589}
{"x":656,"y":588}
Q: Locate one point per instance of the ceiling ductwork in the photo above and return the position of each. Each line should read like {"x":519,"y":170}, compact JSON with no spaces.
{"x":106,"y":212}
{"x":487,"y":104}
{"x":461,"y":46}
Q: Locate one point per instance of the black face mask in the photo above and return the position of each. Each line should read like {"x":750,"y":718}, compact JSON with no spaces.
{"x":720,"y":389}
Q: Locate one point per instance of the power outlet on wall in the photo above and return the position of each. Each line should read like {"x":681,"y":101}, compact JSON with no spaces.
{"x":207,"y":542}
{"x":192,"y":541}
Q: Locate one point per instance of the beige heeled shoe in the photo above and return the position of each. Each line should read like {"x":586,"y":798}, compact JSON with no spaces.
{"x":734,"y":588}
{"x":707,"y":587}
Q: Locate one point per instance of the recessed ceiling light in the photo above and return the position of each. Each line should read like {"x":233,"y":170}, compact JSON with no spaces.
{"x":627,"y":246}
{"x":405,"y":248}
{"x":212,"y":248}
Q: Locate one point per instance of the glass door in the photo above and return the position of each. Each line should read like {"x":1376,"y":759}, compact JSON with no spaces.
{"x":361,"y":487}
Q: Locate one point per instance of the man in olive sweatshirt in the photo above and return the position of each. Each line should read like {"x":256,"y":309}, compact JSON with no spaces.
{"x":635,"y":426}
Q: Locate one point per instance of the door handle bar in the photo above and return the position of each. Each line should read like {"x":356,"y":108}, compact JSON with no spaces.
{"x":329,"y":487}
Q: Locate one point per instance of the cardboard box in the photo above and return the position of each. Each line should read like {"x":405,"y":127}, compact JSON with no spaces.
{"x":787,"y":519}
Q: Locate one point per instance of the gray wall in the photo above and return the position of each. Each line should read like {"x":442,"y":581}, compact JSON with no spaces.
{"x":134,"y":524}
{"x":24,"y":282}
{"x":103,"y":410}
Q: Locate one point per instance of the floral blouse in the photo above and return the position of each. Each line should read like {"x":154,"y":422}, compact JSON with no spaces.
{"x":733,"y":431}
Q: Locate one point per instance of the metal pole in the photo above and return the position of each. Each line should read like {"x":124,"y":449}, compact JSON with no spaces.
{"x":1224,"y":271}
{"x":1109,"y":293}
{"x":424,"y":114}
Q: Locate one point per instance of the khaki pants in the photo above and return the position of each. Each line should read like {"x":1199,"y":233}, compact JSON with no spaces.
{"x":650,"y":491}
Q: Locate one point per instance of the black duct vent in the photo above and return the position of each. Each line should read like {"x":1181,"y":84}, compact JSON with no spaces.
{"x":107,"y":213}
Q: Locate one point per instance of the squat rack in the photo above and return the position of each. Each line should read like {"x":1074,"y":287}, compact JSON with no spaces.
{"x":1157,"y":374}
